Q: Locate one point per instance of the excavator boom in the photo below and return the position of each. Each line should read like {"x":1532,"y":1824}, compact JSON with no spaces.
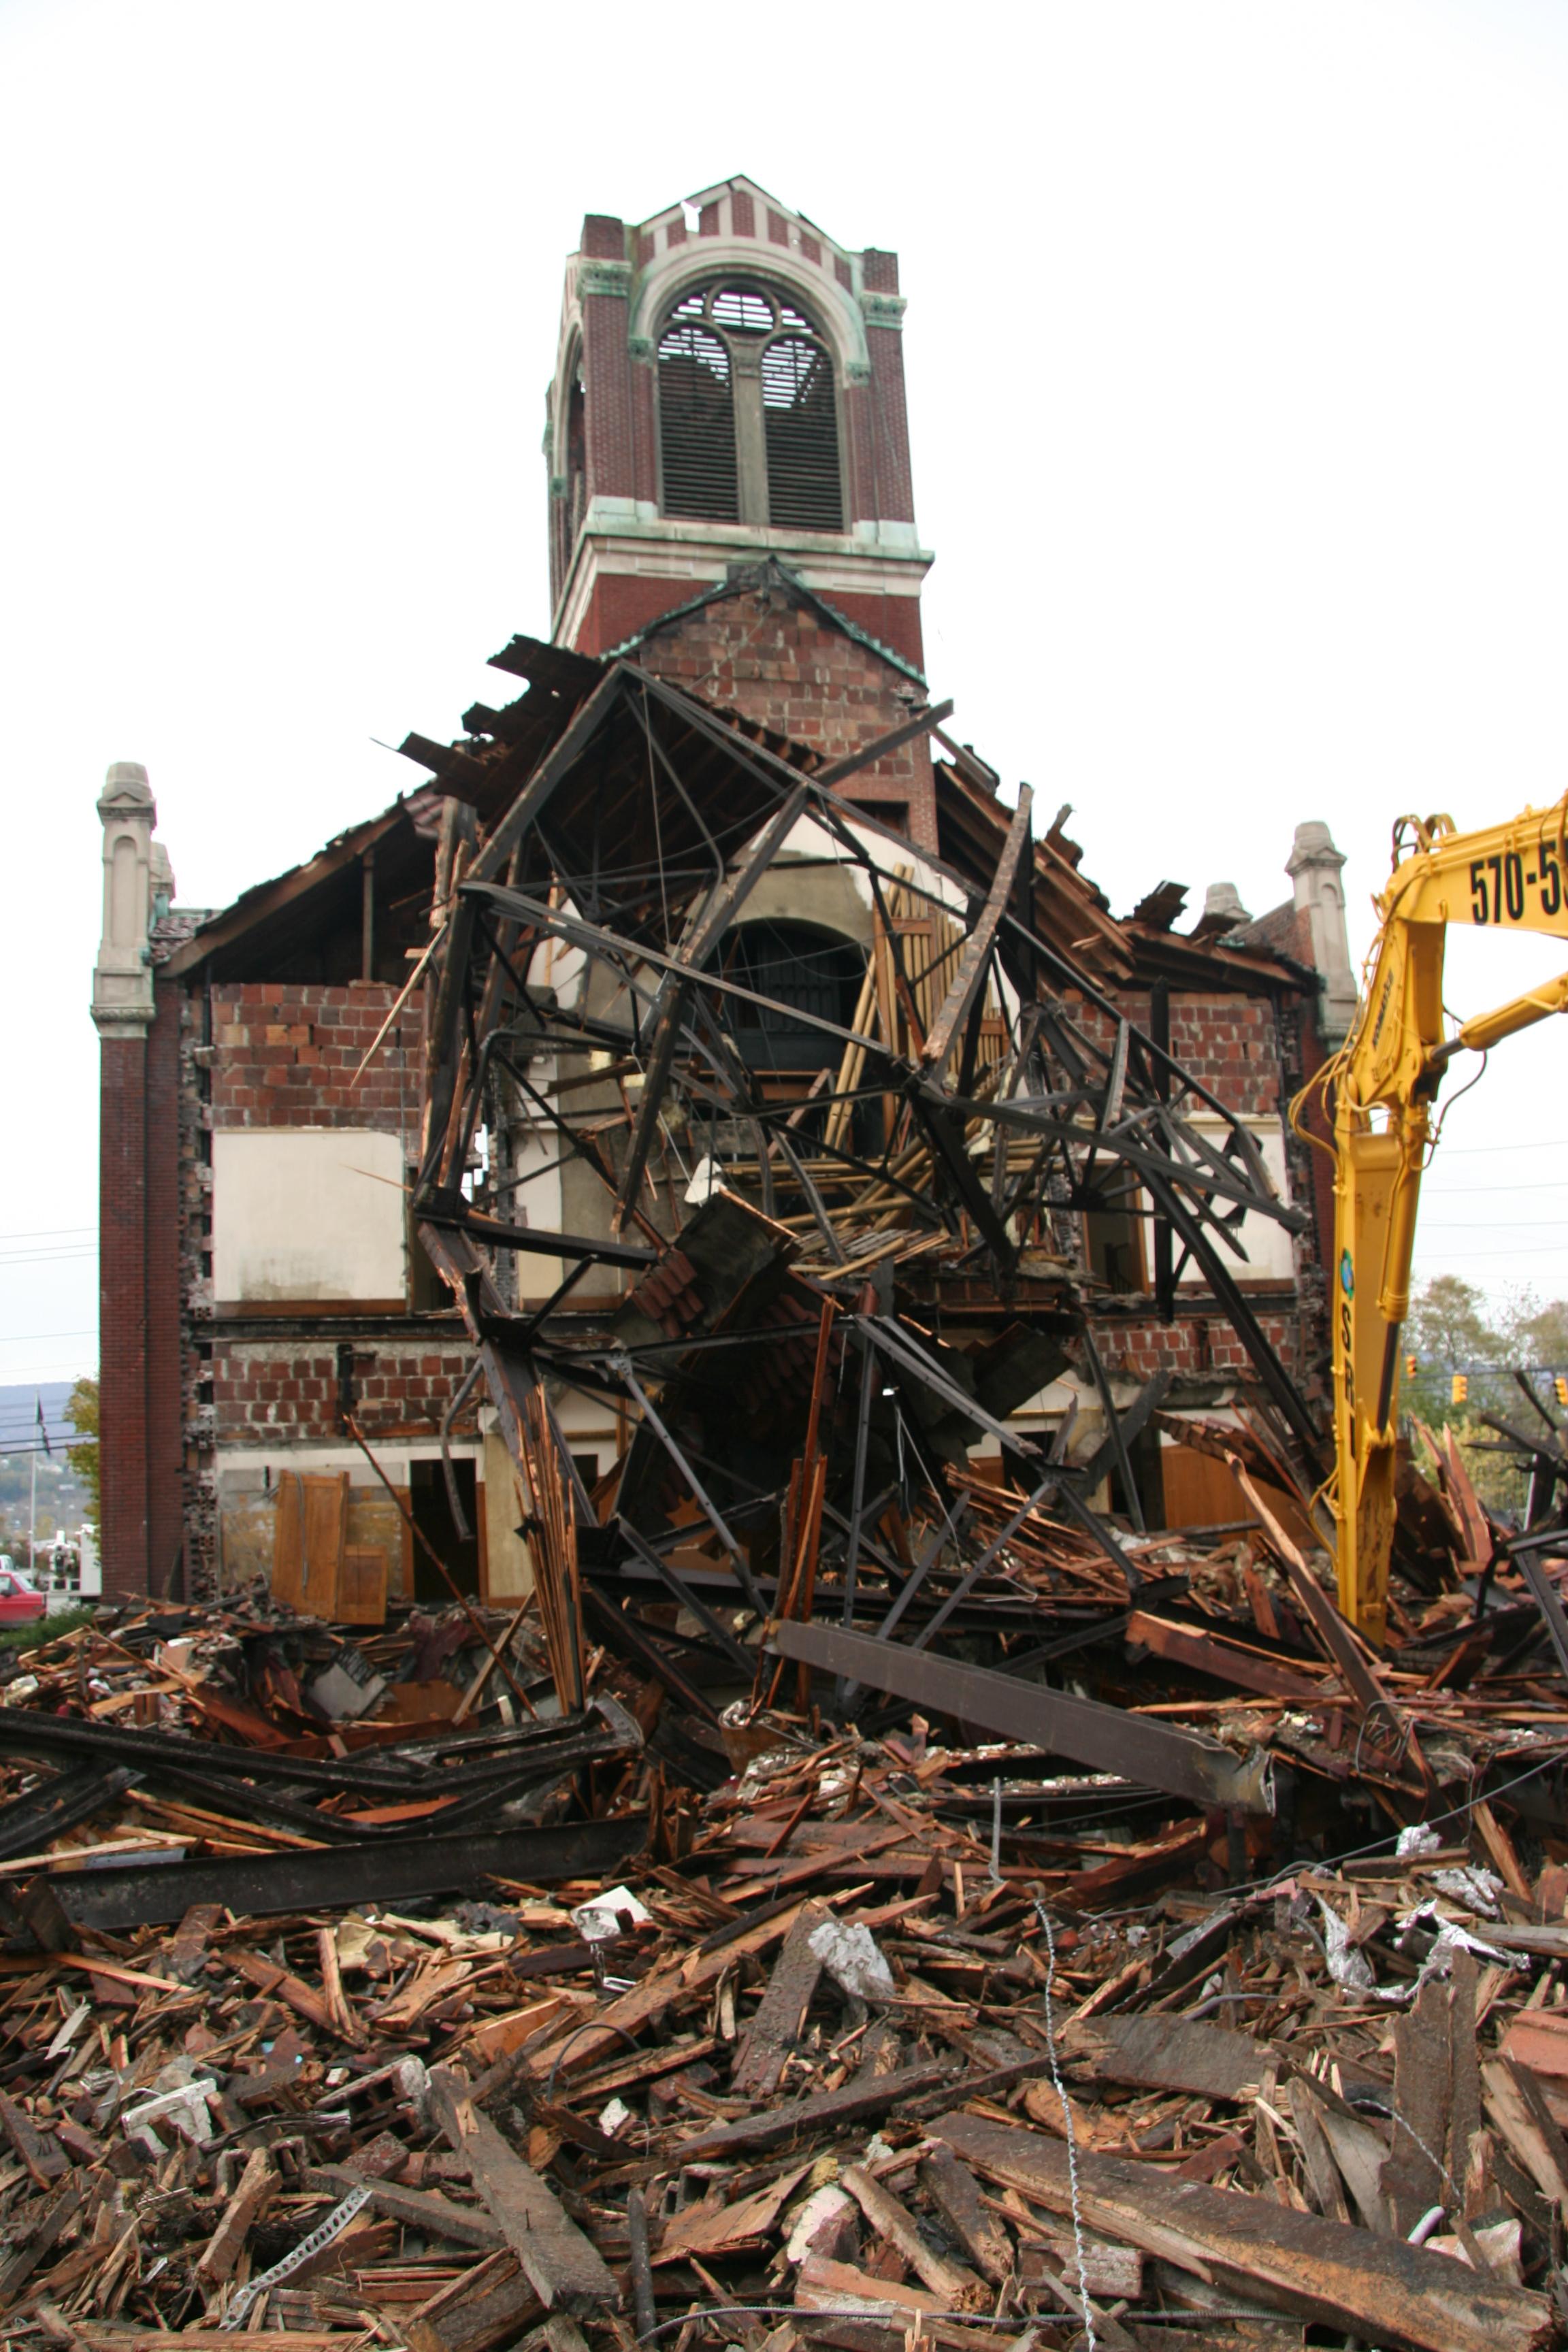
{"x":1379,"y":1089}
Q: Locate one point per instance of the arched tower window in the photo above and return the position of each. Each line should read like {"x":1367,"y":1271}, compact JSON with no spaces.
{"x":697,"y":424}
{"x":748,"y":411}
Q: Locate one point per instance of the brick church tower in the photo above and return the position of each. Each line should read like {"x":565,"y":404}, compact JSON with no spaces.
{"x":731,"y":511}
{"x":730,"y":498}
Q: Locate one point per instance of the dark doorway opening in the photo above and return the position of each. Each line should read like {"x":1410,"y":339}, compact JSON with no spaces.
{"x":432,"y":1511}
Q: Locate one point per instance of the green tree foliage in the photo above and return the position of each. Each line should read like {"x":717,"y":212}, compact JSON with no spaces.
{"x":81,"y":1412}
{"x":1454,"y":1328}
{"x":1448,"y":1331}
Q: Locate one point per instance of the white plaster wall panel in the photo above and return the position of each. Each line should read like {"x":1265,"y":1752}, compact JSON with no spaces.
{"x":1268,"y":1246}
{"x":303,"y":1213}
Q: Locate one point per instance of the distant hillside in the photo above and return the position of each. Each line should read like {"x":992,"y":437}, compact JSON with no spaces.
{"x":18,"y":1416}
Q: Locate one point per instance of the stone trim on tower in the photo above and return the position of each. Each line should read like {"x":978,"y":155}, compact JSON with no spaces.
{"x":618,"y":559}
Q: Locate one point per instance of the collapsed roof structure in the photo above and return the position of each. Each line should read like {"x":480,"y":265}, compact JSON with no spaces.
{"x":794,"y":1251}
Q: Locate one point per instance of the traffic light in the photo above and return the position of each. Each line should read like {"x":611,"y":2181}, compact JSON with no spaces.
{"x":1458,"y":1388}
{"x":1410,"y":1367}
{"x":1560,"y":1389}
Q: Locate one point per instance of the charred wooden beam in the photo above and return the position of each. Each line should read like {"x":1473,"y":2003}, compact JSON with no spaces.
{"x":1183,"y":1763}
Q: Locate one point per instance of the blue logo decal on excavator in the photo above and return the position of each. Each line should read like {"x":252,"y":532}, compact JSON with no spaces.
{"x":1347,"y":1275}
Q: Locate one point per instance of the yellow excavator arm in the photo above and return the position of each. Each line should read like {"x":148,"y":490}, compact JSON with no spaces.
{"x":1378,"y":1091}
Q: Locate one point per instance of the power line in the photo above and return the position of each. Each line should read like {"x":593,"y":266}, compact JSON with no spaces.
{"x":1472,"y":1150}
{"x":1547,"y":1185}
{"x":1546,"y":1249}
{"x":1526,"y":1225}
{"x":14,"y":1338}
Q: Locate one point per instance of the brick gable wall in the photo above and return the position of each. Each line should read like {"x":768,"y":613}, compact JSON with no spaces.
{"x":781,"y":664}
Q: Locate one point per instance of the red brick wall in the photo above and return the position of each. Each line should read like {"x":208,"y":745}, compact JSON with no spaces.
{"x":270,"y":1392}
{"x":123,"y":1334}
{"x":1192,"y":1345}
{"x":140,"y":1435}
{"x":624,"y":604}
{"x":780,"y":665}
{"x":607,"y":384}
{"x":165,"y":1387}
{"x":895,"y":480}
{"x":1233,"y":1043}
{"x":286,"y":1056}
{"x":1228,"y":1042}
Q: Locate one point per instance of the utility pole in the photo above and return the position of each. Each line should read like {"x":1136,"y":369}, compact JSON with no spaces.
{"x":32,"y":1496}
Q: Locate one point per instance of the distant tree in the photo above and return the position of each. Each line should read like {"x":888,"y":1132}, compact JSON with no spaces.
{"x":1536,"y":1335}
{"x":81,"y":1412}
{"x":1448,"y":1331}
{"x":1453,"y":1328}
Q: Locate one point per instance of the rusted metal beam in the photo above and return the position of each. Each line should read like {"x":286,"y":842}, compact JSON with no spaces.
{"x":1181,"y":1763}
{"x":334,"y":1878}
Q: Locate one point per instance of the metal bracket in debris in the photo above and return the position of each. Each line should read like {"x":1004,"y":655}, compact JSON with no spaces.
{"x":336,"y":2222}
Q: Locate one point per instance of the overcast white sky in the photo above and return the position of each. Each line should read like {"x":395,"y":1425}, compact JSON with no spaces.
{"x":1237,"y":354}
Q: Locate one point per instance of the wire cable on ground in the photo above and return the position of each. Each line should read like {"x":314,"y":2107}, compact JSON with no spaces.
{"x":1060,"y":2089}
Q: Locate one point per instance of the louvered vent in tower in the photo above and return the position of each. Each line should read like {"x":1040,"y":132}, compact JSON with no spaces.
{"x":696,"y":424}
{"x":801,"y":424}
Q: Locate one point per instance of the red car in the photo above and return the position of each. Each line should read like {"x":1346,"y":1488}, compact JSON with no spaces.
{"x":19,"y":1600}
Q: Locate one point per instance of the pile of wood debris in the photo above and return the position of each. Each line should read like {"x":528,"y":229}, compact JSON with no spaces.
{"x":879,"y":2039}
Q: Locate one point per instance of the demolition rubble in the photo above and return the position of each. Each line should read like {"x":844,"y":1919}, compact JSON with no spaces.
{"x":862,"y":1896}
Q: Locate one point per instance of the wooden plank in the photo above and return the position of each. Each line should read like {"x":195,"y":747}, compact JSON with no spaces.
{"x":425,"y":2209}
{"x":187,"y":1951}
{"x":255,"y":2187}
{"x":828,"y":2286}
{"x":39,"y":2151}
{"x":1380,"y":2288}
{"x":1322,"y":2173}
{"x":722,"y":2224}
{"x":827,"y":2112}
{"x":656,"y":1994}
{"x":1538,"y":2039}
{"x":1228,"y":1662}
{"x":39,"y":2241}
{"x":362,"y":1588}
{"x":955,"y":2192}
{"x":561,"y":2263}
{"x":1359,"y":2154}
{"x":1413,"y":2179}
{"x":895,"y":2225}
{"x":1175,"y":2053}
{"x":1500,"y":1851}
{"x":488,"y":2306}
{"x":1465,"y":2089}
{"x":1524,"y":2132}
{"x":269,"y":1978}
{"x":289,"y":1540}
{"x":212,"y":2339}
{"x":324,"y":1535}
{"x":977,"y":948}
{"x":775,"y":2027}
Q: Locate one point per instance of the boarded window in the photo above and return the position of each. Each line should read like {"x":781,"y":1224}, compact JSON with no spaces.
{"x":696,"y":424}
{"x":801,"y":423}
